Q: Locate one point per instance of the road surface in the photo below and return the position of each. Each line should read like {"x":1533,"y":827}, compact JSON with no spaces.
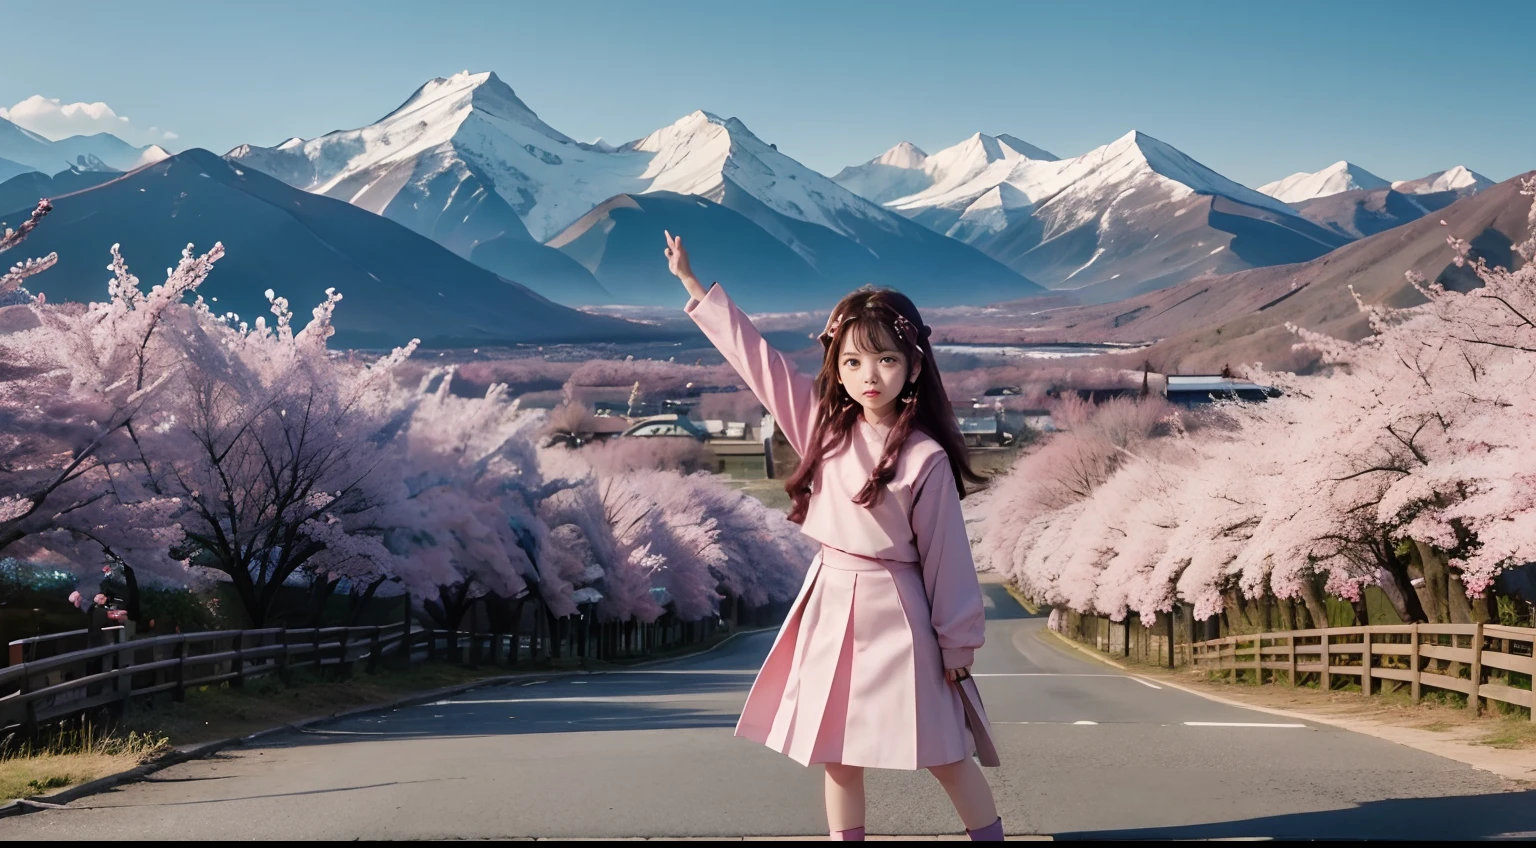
{"x":1088,"y":752}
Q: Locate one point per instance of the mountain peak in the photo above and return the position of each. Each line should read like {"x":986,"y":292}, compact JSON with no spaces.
{"x":1459,"y":179}
{"x":904,"y":155}
{"x":483,"y":92}
{"x":1029,"y":151}
{"x":1341,"y":176}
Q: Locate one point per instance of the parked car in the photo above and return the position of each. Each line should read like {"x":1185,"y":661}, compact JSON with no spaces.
{"x":670,"y":424}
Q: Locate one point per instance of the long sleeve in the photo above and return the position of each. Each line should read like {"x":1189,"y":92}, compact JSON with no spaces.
{"x":789,"y":395}
{"x":949,"y":572}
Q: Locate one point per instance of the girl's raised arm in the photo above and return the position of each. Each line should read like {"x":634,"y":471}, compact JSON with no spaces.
{"x":788,"y":394}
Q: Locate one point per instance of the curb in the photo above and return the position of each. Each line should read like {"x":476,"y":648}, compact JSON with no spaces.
{"x":176,"y":756}
{"x":1090,"y":652}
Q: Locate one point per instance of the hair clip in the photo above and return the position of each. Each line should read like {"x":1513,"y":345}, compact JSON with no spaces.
{"x":902,"y":323}
{"x":832,"y":324}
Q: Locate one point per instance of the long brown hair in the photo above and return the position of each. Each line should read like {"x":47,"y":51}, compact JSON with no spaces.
{"x":879,"y":319}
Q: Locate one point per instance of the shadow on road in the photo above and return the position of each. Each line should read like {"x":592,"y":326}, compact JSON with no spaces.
{"x":1001,"y":606}
{"x":661,"y":699}
{"x":1507,"y":814}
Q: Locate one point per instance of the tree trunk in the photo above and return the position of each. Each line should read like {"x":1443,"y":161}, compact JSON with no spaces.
{"x":517,"y":631}
{"x":1435,"y":593}
{"x":1466,"y":609}
{"x":1395,"y":585}
{"x":1313,"y":598}
{"x":320,"y":591}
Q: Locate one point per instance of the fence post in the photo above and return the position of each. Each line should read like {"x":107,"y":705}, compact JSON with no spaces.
{"x":343,"y":668}
{"x":1258,"y":658}
{"x":238,"y":681}
{"x":373,"y":650}
{"x":282,"y":657}
{"x":1170,"y":636}
{"x":1327,"y":676}
{"x":1477,"y":668}
{"x":1365,"y":662}
{"x":179,"y":692}
{"x":1290,"y":639}
{"x":1413,"y":662}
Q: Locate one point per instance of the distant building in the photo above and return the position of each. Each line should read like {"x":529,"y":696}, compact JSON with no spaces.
{"x":1200,"y":389}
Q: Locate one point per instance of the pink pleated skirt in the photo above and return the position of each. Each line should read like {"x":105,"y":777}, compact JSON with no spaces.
{"x":855,"y":675}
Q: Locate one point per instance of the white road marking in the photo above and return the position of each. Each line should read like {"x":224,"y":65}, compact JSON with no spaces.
{"x":1071,"y":674}
{"x":1085,"y":722}
{"x":1043,"y":674}
{"x":1238,"y":724}
{"x":680,"y":671}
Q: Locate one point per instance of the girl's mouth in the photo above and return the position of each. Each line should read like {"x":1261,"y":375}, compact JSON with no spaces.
{"x":872,"y":393}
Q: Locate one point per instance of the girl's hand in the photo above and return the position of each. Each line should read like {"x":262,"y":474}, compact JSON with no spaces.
{"x":957,"y":673}
{"x":677,"y":263}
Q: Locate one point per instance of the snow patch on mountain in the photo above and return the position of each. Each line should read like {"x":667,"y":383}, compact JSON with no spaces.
{"x":1337,"y":178}
{"x":1083,"y":184}
{"x":905,"y":170}
{"x":476,"y":124}
{"x":1458,"y":179}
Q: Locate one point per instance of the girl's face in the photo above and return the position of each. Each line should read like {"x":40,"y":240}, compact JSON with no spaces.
{"x":874,"y":378}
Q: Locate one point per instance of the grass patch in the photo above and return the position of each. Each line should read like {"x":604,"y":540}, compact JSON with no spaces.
{"x":1514,"y":733}
{"x":1436,"y":726}
{"x":73,"y":755}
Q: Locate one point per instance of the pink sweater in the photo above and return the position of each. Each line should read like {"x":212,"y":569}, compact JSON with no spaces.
{"x":917,"y":520}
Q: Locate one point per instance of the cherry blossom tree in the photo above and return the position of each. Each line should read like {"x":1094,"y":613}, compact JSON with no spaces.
{"x":80,"y":389}
{"x":1404,"y":465}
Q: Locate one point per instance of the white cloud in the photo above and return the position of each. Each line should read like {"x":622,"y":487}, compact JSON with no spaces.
{"x":52,"y":118}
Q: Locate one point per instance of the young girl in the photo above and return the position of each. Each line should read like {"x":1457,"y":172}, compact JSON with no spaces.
{"x":863,"y":673}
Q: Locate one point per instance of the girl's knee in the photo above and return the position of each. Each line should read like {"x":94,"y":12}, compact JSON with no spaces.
{"x":948,"y":771}
{"x":840,"y":773}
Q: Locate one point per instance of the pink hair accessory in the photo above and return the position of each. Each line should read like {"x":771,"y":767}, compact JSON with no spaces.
{"x":831,"y":330}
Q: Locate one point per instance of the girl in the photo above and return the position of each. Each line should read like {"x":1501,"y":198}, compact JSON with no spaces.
{"x":891,"y":606}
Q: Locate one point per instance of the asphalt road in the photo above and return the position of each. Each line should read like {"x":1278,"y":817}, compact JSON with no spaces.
{"x":1088,"y":752}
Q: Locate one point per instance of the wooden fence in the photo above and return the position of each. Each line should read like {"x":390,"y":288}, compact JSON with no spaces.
{"x":1481,"y":661}
{"x":42,"y":685}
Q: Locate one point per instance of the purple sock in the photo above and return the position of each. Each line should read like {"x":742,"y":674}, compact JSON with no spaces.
{"x":853,"y":834}
{"x":991,"y":833}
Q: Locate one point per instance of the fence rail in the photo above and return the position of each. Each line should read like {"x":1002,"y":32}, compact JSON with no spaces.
{"x":52,"y":686}
{"x":1451,"y":657}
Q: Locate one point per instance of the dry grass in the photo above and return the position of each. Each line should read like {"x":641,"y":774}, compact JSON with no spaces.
{"x":1511,"y":733}
{"x":73,"y":756}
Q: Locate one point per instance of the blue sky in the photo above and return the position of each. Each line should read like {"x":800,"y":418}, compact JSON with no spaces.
{"x":1256,"y":90}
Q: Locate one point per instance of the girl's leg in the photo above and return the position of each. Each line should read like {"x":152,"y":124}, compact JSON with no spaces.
{"x":845,"y":798}
{"x":968,"y":791}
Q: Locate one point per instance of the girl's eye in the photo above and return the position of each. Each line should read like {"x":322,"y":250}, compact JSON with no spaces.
{"x":889,"y":359}
{"x":851,"y":363}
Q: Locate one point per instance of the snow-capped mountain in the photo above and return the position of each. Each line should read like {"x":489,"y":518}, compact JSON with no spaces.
{"x":88,"y":152}
{"x":1339,"y":177}
{"x":467,"y":163}
{"x":906,"y":170}
{"x":1459,"y":179}
{"x":1365,"y":212}
{"x":1133,"y":215}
